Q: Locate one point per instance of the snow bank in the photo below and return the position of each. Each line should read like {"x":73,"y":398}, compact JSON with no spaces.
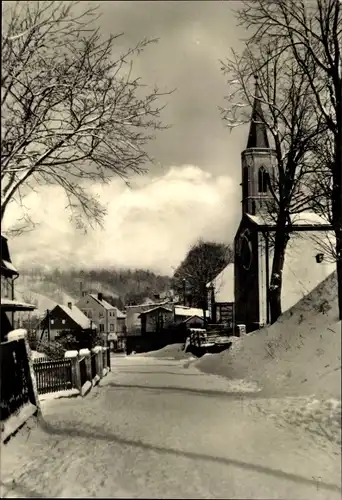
{"x":298,"y":355}
{"x":174,"y":351}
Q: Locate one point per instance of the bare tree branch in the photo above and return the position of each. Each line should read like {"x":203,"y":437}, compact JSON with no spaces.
{"x":72,"y":111}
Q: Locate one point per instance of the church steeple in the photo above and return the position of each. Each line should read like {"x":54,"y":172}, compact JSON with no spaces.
{"x":257,"y":137}
{"x":258,"y":162}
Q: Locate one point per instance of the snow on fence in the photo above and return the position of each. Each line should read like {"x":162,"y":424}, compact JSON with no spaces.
{"x":78,"y":370}
{"x":53,"y":375}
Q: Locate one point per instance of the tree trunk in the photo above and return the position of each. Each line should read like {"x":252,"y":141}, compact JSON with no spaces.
{"x":337,"y":208}
{"x":280,"y":243}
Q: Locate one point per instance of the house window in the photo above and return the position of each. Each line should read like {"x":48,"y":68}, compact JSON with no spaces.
{"x":111,"y":327}
{"x":101,"y":315}
{"x":263,"y":180}
{"x":101,"y":328}
{"x":90,"y":314}
{"x":63,"y":321}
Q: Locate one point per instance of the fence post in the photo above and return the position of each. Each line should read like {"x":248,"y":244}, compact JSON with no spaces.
{"x":108,"y":360}
{"x":86,"y":354}
{"x":75,"y":369}
{"x":104,"y":358}
{"x":98,"y":351}
{"x":21,"y":336}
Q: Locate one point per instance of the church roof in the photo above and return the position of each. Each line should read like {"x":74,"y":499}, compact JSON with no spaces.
{"x":301,"y":220}
{"x":257,"y":137}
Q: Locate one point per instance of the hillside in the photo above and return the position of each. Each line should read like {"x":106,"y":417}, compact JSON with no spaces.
{"x":45,"y":287}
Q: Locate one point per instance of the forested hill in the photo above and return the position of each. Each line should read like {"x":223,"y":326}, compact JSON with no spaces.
{"x":122,"y":286}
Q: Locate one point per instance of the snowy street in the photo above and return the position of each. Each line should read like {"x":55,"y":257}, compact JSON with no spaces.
{"x":160,"y":428}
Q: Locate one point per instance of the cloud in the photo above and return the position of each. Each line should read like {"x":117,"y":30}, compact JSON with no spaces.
{"x":150,"y":225}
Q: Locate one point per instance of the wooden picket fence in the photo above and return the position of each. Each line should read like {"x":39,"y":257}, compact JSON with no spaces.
{"x":53,"y":375}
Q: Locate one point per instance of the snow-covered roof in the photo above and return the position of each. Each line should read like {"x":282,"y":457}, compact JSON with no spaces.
{"x":16,"y":305}
{"x":120,"y":314}
{"x":224,"y":284}
{"x":150,"y":303}
{"x":192,"y":317}
{"x":155,"y":308}
{"x":301,"y":219}
{"x":77,"y":315}
{"x":8,"y":268}
{"x":103,"y":302}
{"x":189,"y":311}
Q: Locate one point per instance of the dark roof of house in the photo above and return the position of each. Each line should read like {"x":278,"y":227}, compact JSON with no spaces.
{"x":7,"y":268}
{"x":257,"y":137}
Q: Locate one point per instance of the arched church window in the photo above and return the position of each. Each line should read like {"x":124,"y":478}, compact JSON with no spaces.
{"x":245,"y":183}
{"x":263,"y":180}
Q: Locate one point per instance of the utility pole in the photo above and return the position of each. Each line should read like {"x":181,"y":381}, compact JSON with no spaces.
{"x":48,"y":325}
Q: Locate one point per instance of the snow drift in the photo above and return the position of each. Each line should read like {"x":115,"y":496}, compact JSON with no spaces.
{"x":299,"y":355}
{"x":172,"y":351}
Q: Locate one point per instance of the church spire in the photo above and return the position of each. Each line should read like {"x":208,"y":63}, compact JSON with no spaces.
{"x":257,"y":137}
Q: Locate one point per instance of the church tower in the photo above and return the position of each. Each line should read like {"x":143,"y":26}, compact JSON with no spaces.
{"x":258,"y":163}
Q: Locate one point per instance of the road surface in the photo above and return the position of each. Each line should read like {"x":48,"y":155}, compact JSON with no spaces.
{"x":161,"y":429}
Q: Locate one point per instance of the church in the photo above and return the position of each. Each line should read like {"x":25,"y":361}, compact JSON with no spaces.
{"x":245,"y":283}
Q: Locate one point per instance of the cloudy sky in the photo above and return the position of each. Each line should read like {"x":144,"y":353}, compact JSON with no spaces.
{"x":194,"y":190}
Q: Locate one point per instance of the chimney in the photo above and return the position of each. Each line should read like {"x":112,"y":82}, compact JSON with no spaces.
{"x":99,"y":296}
{"x":70,"y":305}
{"x":84,"y":293}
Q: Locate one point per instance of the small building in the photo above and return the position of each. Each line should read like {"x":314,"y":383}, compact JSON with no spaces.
{"x":133,"y":319}
{"x":108,"y":318}
{"x":156,"y":319}
{"x":65,"y":319}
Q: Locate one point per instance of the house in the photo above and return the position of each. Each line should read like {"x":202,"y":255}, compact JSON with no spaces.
{"x":109,"y":319}
{"x":156,"y":319}
{"x":162,"y":317}
{"x":62,"y":319}
{"x":9,"y":306}
{"x":133,"y":319}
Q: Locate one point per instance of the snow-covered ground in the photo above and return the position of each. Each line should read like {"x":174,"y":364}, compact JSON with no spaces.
{"x":159,"y":428}
{"x":298,"y":355}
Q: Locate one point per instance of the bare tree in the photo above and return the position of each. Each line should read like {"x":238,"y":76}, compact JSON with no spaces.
{"x":72,"y":113}
{"x":312,"y":32}
{"x":203,"y":262}
{"x":289,"y":114}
